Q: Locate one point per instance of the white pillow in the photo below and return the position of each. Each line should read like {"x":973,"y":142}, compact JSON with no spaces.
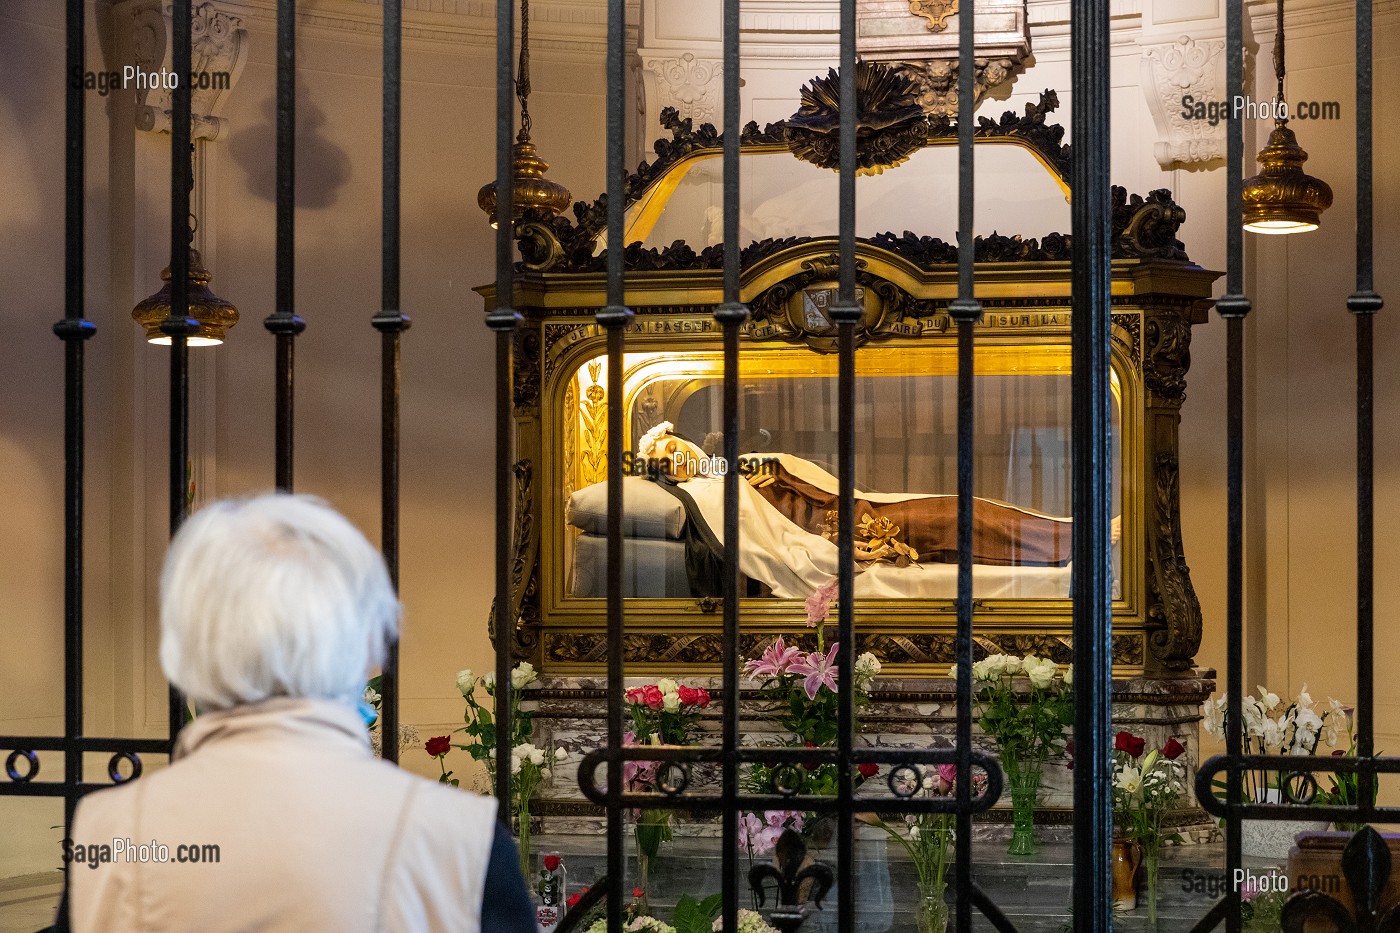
{"x":648,"y":511}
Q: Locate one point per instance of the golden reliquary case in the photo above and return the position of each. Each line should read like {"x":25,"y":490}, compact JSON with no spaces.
{"x":906,"y":408}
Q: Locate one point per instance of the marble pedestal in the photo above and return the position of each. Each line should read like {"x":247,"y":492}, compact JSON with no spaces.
{"x":903,"y":713}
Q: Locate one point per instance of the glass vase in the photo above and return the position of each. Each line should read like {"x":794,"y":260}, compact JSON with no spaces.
{"x":1149,"y":866}
{"x":933,"y":910}
{"x":524,"y":834}
{"x":1025,"y":786}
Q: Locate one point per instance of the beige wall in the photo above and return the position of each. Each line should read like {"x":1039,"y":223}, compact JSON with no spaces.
{"x":1301,"y":547}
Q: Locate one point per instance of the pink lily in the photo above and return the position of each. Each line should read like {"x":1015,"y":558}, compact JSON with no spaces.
{"x":776,"y":661}
{"x":816,"y":670}
{"x":819,"y":603}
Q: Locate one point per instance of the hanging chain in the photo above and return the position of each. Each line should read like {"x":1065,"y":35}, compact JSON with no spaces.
{"x":1279,"y":69}
{"x":522,"y":80}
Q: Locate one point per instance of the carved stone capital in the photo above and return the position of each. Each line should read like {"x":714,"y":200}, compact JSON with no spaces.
{"x":937,"y":82}
{"x":1172,"y":72}
{"x":219,"y":49}
{"x":691,"y":85}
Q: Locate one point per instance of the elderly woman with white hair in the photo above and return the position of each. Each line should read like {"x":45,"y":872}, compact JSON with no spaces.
{"x":273,"y":612}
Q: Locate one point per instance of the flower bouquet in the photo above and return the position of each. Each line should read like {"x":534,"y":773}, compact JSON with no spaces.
{"x":1146,"y":786}
{"x":801,"y":692}
{"x":929,"y":838}
{"x":530,"y":766}
{"x":1028,"y":725}
{"x":663,"y":713}
{"x":1272,"y":728}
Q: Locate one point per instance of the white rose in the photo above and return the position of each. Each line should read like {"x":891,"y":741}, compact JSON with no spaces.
{"x":1042,"y":675}
{"x":671,"y":702}
{"x":993,"y":666}
{"x":1013,"y":664}
{"x":488,"y":681}
{"x":1069,"y":675}
{"x":666,"y":685}
{"x":466,"y":682}
{"x":523,"y":675}
{"x":867,"y":665}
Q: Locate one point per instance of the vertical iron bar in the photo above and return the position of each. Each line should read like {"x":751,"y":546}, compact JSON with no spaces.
{"x":503,"y":320}
{"x":1364,"y":303}
{"x":614,"y":317}
{"x":391,"y":322}
{"x":1233,"y":306}
{"x":178,"y":326}
{"x":966,"y":310}
{"x":73,"y":330}
{"x":846,"y":314}
{"x":731,"y":314}
{"x":1093,"y":572}
{"x":283,"y":322}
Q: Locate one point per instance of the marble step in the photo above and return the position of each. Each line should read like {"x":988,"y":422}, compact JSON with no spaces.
{"x":1034,"y":892}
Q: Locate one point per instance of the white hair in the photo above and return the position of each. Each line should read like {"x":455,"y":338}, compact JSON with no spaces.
{"x":273,"y":596}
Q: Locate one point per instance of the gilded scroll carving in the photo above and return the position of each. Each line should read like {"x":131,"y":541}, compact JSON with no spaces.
{"x":593,"y":420}
{"x":935,"y":11}
{"x":1167,"y":357}
{"x":527,"y":369}
{"x":524,"y":567}
{"x":920,"y":648}
{"x":1174,"y":613}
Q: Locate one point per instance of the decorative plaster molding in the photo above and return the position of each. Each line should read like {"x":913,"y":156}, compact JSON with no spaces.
{"x":219,"y":49}
{"x":1171,"y":71}
{"x":691,"y":85}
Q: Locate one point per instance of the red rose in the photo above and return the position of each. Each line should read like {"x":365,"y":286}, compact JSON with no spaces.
{"x":573,"y":899}
{"x":638,"y":892}
{"x":634,"y":696}
{"x":811,"y":764}
{"x":1127,"y":742}
{"x":702,"y":697}
{"x":551,"y":862}
{"x":689,"y":695}
{"x":651,"y":696}
{"x":1172,"y":750}
{"x":1069,"y":754}
{"x":868,"y":770}
{"x":438,"y":746}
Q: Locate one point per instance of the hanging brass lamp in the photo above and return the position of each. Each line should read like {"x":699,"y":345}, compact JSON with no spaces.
{"x":1283,"y":198}
{"x":532,"y":190}
{"x":213,"y":314}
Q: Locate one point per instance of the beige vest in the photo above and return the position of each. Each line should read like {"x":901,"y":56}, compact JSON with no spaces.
{"x":313,"y":833}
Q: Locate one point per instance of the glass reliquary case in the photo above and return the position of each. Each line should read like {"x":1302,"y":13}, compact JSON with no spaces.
{"x":906,"y":409}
